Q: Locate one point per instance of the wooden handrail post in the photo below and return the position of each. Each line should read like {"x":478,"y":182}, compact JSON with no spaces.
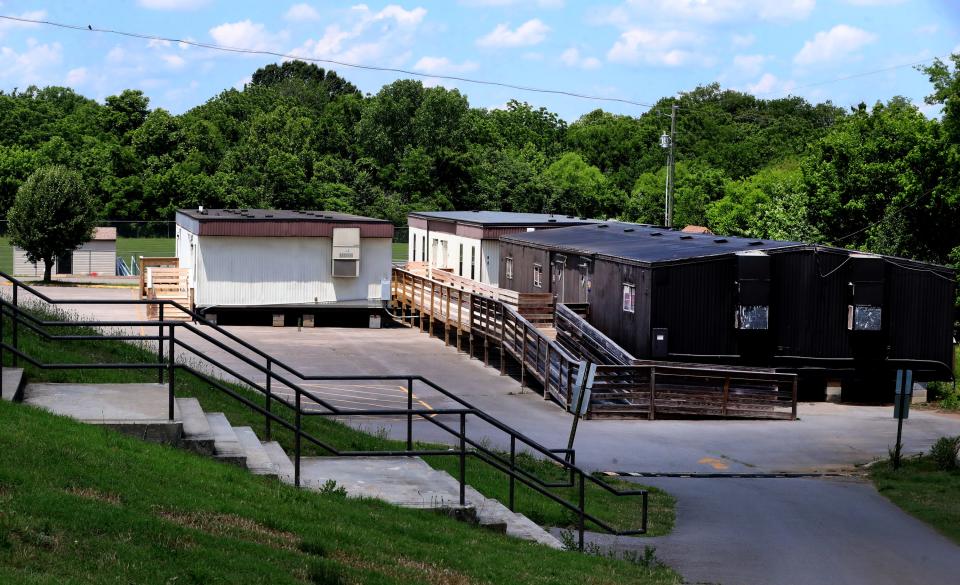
{"x":653,"y":386}
{"x":726,"y":394}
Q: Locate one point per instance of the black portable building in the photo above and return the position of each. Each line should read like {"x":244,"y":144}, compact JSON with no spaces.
{"x":820,"y":311}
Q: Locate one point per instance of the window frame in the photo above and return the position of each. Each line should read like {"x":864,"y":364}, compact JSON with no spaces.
{"x":538,"y":275}
{"x":629,"y":294}
{"x":508,"y":267}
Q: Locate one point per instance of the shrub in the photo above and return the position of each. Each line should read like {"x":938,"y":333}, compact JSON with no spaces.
{"x":944,"y":452}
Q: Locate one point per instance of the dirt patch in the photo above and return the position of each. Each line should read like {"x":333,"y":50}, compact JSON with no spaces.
{"x":94,"y":494}
{"x":232,"y":525}
{"x":401,"y":568}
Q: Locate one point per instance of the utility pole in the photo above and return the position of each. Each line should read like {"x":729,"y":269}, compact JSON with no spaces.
{"x":667,"y":142}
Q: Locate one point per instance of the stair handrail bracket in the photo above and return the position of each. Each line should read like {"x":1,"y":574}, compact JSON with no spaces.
{"x":303,"y":403}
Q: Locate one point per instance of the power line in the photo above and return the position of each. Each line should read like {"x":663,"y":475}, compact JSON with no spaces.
{"x":214,"y":47}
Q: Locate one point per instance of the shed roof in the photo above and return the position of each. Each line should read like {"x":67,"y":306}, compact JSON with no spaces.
{"x":501,"y":218}
{"x":104,"y":233}
{"x":641,"y":243}
{"x":275,"y":215}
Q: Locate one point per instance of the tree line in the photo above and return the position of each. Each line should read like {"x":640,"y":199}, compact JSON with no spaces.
{"x":879,"y":177}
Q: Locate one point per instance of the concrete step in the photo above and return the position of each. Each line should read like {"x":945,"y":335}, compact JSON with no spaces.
{"x":197,"y":436}
{"x":140,"y":410}
{"x":281,"y":461}
{"x":258,"y":462}
{"x":226,"y":445}
{"x":12,"y":382}
{"x":411,"y":483}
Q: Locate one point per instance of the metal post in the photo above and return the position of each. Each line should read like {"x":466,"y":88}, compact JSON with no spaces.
{"x":671,"y":160}
{"x":267,"y":422}
{"x":463,"y":458}
{"x":409,"y":414}
{"x":643,"y":521}
{"x":513,"y":469}
{"x":296,"y":455}
{"x":3,"y":312}
{"x":793,"y":412}
{"x":653,"y":386}
{"x":523,"y":358}
{"x":170,"y":367}
{"x":160,"y":347}
{"x":581,"y":524}
{"x":546,"y":373}
{"x":16,"y":320}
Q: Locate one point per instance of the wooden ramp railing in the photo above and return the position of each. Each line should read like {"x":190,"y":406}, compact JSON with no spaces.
{"x":581,"y":358}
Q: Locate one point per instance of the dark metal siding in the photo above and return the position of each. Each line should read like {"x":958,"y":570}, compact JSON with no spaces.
{"x":920,"y":309}
{"x":574,"y":282}
{"x":695,"y":303}
{"x":808,"y":304}
{"x":523,"y":260}
{"x":629,"y":330}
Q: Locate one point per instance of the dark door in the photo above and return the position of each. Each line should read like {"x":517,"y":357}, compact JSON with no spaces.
{"x":583,"y":277}
{"x":65,"y":263}
{"x":558,"y":281}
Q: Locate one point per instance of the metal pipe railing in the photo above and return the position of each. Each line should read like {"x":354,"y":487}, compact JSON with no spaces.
{"x":166,"y":363}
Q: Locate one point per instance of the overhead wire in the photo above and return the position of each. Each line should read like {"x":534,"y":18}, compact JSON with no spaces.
{"x":245,"y":51}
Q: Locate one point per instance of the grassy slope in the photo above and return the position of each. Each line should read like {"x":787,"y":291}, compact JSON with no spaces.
{"x":922,"y":491}
{"x":621,"y":512}
{"x":400,"y":251}
{"x":80,"y":504}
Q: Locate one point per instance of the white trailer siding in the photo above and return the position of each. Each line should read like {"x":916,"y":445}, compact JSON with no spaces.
{"x":467,"y":257}
{"x":254,"y":271}
{"x":490,"y":250}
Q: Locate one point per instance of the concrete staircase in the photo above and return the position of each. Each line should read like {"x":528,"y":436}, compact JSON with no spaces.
{"x":141,"y":410}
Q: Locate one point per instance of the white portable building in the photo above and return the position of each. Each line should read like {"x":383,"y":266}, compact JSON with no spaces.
{"x":245,"y":258}
{"x":97,"y":257}
{"x":467,"y":242}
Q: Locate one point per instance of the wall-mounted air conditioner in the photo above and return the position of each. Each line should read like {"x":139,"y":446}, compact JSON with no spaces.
{"x":346,"y":252}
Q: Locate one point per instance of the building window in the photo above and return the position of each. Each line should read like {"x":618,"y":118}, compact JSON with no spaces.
{"x":538,"y":276}
{"x":753,"y":317}
{"x":864,"y":318}
{"x":460,"y":269}
{"x":423,"y":248}
{"x":414,"y":257}
{"x":508,"y":268}
{"x":473,"y":261}
{"x":629,"y":297}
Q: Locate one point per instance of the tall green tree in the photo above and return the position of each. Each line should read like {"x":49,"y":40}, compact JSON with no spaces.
{"x":52,"y":214}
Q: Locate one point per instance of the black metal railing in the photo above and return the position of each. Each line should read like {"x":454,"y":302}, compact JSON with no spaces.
{"x":275,"y":371}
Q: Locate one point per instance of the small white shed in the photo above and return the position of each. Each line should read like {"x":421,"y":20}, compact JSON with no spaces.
{"x":245,"y":258}
{"x":97,"y":257}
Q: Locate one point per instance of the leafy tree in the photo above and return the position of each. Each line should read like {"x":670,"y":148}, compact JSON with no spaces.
{"x":52,"y":214}
{"x":581,"y":189}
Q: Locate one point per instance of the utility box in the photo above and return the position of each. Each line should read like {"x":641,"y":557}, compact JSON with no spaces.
{"x":346,"y":252}
{"x":659,"y":345}
{"x":374,"y":321}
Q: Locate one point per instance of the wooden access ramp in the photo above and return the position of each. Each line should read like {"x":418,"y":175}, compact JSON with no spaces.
{"x":163,"y":279}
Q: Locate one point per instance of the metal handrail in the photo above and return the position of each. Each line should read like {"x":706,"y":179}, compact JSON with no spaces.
{"x":496,"y":460}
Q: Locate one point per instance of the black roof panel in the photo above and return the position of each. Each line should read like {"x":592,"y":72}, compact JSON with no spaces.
{"x":642,"y":243}
{"x":274,"y":215}
{"x":502,"y":217}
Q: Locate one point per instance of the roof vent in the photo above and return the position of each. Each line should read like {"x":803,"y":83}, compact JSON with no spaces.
{"x":602,"y":226}
{"x":755,"y":243}
{"x":267,"y":215}
{"x":655,"y":234}
{"x":720,"y":240}
{"x":552,"y":220}
{"x":475,"y":210}
{"x":628,"y":230}
{"x":686,"y":237}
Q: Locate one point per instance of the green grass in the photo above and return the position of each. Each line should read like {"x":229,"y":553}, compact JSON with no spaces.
{"x":82,"y":504}
{"x":923,"y":491}
{"x":400,"y":251}
{"x":621,"y":512}
{"x":6,"y":255}
{"x":150,"y":247}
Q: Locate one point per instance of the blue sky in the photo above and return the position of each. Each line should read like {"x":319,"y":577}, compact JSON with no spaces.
{"x":638,"y":50}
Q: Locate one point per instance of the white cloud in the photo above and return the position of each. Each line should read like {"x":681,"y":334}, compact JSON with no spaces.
{"x":301,"y":13}
{"x":173,"y":61}
{"x":875,"y":2}
{"x":75,"y":77}
{"x":572,"y":58}
{"x":116,"y":54}
{"x":443,"y":66}
{"x":245,"y":34}
{"x":770,"y":84}
{"x":497,"y":3}
{"x":32,"y":66}
{"x":243,"y":82}
{"x":835,"y":43}
{"x":383,"y":37}
{"x":31,"y":15}
{"x":743,"y":41}
{"x":647,"y":13}
{"x":173,"y":4}
{"x":750,"y":64}
{"x":530,"y":33}
{"x":640,"y":46}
